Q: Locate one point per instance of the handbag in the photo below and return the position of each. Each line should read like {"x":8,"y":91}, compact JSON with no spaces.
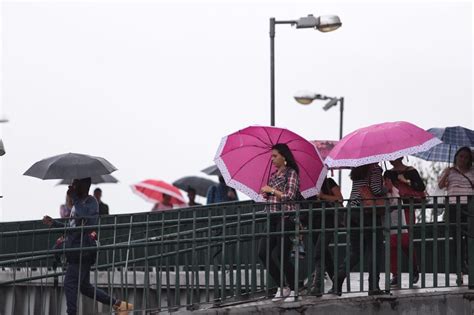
{"x":369,"y":200}
{"x":406,"y":191}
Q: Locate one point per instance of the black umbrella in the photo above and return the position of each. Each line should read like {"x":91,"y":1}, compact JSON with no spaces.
{"x":200,"y":184}
{"x":70,"y":166}
{"x":211,"y":170}
{"x":100,"y":179}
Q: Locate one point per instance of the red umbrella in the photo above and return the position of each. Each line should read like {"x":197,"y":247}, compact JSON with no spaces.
{"x":153,"y":190}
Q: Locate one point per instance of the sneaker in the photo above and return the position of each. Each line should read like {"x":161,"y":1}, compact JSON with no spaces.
{"x":281,"y":293}
{"x":394,"y":280}
{"x":291,"y":297}
{"x":122,"y":307}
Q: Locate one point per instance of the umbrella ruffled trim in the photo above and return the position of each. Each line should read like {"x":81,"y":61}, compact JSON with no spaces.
{"x":313,"y":191}
{"x":382,"y":157}
{"x":154,"y":188}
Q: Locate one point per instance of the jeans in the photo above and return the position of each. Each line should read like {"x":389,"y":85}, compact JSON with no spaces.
{"x":275,"y":245}
{"x":71,"y":282}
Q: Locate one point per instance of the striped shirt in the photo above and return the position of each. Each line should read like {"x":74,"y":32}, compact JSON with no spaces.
{"x":374,"y":181}
{"x":288,"y":182}
{"x":460,"y":185}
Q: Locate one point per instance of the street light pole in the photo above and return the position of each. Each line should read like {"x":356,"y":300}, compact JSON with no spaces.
{"x":306,"y":98}
{"x":341,"y":115}
{"x":325,"y":23}
{"x":273,"y":22}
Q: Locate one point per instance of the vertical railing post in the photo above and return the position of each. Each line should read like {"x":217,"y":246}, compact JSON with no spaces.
{"x":423,"y":244}
{"x":386,"y":232}
{"x":435,"y":242}
{"x":470,"y":241}
{"x":447,"y":237}
{"x":411,"y":214}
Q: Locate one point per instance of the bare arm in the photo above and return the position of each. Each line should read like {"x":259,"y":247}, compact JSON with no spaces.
{"x":335,"y":197}
{"x":443,"y":180}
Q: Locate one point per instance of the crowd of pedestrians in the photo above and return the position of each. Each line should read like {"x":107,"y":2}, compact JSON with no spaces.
{"x":399,"y":186}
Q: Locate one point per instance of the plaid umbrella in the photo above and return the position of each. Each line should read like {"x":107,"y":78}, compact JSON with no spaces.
{"x":453,"y":138}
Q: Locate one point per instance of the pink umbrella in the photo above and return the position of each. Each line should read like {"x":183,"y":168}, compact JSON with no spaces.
{"x":153,"y":190}
{"x":381,"y":142}
{"x":244,"y":159}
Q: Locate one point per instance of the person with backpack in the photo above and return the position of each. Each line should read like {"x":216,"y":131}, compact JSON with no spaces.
{"x":282,"y":188}
{"x":85,"y":212}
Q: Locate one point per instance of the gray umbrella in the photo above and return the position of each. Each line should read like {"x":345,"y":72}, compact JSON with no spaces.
{"x":200,"y":184}
{"x":100,"y":179}
{"x":70,"y":166}
{"x":211,"y":170}
{"x":2,"y":148}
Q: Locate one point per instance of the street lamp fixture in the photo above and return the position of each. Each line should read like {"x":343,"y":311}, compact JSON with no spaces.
{"x":324,"y":23}
{"x":306,"y":98}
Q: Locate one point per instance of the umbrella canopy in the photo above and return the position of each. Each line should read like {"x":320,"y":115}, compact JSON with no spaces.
{"x":381,"y":142}
{"x":70,"y":166}
{"x":211,"y":170}
{"x":453,"y":138}
{"x":100,"y":179}
{"x":200,"y":184}
{"x":2,"y":148}
{"x":153,"y":190}
{"x":244,"y":159}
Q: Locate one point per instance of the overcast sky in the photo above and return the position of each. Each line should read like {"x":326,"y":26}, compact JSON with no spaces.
{"x":153,"y":87}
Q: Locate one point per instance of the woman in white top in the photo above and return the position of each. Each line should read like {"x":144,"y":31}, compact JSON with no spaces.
{"x":459,"y":181}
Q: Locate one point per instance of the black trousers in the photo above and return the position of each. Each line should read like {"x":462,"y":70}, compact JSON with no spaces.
{"x":453,"y":232}
{"x":368,"y":251}
{"x":320,"y":245}
{"x":274,"y":249}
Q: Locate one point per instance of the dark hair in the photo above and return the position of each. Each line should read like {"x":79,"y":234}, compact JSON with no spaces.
{"x":360,"y":172}
{"x":468,"y":150}
{"x":191,"y":190}
{"x":97,"y":190}
{"x":284,"y":150}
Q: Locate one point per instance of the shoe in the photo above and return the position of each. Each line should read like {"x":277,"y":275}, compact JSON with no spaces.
{"x":122,"y":307}
{"x":281,"y":293}
{"x":394,"y":280}
{"x":315,"y":291}
{"x":376,"y":292}
{"x":291,"y":297}
{"x":334,"y":291}
{"x":337,"y":287}
{"x":416,"y":276}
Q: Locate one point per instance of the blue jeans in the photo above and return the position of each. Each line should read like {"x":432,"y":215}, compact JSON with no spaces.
{"x":71,"y":282}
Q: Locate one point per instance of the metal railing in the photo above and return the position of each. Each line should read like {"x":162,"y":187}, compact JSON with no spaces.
{"x":212,"y":255}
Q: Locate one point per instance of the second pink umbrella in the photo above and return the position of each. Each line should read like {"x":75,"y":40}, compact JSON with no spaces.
{"x":381,"y":142}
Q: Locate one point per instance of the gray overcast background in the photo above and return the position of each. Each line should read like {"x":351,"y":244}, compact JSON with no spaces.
{"x":153,"y":87}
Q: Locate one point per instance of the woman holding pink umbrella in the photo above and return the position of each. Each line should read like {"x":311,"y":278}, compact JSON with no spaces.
{"x":283,"y":186}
